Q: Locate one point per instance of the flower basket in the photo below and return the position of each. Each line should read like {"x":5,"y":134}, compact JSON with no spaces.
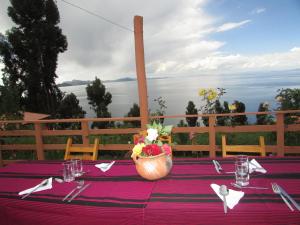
{"x":153,"y":167}
{"x":151,"y":155}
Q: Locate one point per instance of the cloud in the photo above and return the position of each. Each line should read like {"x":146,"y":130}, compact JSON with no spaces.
{"x":258,"y":11}
{"x":295,"y":49}
{"x":230,"y":26}
{"x":243,"y":63}
{"x":177,"y":39}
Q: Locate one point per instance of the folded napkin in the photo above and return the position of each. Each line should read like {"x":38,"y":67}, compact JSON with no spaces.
{"x":232,"y":198}
{"x":39,"y":187}
{"x":254,"y":166}
{"x":105,"y":166}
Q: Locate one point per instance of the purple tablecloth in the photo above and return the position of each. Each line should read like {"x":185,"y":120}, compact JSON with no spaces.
{"x":121,"y":196}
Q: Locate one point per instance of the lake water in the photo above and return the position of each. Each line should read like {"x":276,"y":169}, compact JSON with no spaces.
{"x":251,"y":89}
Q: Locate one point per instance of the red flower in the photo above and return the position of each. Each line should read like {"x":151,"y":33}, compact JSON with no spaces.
{"x":167,"y":149}
{"x":152,"y":150}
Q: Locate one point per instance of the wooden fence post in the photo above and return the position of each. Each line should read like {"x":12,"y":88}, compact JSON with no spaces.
{"x":1,"y":162}
{"x":39,"y":141}
{"x":140,"y":70}
{"x":212,"y":135}
{"x":85,"y":133}
{"x":280,"y":133}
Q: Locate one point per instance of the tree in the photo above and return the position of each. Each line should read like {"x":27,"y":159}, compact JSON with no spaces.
{"x":289,"y":99}
{"x":70,"y":108}
{"x":222,"y":120}
{"x":9,"y":101}
{"x":99,"y":99}
{"x":30,"y":53}
{"x":265,"y":119}
{"x":242,"y":119}
{"x":191,"y":110}
{"x":134,"y":112}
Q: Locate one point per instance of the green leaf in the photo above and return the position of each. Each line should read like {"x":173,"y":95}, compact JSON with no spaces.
{"x":167,"y":130}
{"x":147,"y":142}
{"x":159,"y":143}
{"x":159,"y":128}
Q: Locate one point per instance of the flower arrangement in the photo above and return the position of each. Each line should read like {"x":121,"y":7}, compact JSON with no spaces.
{"x":151,"y":144}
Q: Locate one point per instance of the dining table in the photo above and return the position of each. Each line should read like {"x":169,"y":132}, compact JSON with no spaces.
{"x":121,"y":196}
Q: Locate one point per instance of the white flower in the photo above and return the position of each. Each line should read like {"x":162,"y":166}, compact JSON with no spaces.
{"x":266,"y":105}
{"x":279,"y":99}
{"x":152,"y":134}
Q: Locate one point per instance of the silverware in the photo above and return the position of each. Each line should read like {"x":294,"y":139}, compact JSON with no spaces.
{"x":58,"y":180}
{"x":224,"y":192}
{"x":79,"y":185}
{"x":278,"y":191}
{"x":42,"y":184}
{"x":251,"y":187}
{"x":289,"y":197}
{"x":218,"y":167}
{"x":80,"y":190}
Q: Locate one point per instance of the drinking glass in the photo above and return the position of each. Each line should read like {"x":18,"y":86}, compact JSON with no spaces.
{"x":68,"y":173}
{"x":242,"y":170}
{"x":77,"y":167}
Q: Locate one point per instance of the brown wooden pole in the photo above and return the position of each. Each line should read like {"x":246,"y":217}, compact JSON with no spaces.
{"x":280,"y":133}
{"x":1,"y":161}
{"x":85,"y":133}
{"x":140,"y":70}
{"x":212,"y":135}
{"x":39,"y":141}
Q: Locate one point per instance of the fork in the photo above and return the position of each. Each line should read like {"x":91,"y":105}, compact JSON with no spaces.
{"x":219,"y":168}
{"x":277,"y":191}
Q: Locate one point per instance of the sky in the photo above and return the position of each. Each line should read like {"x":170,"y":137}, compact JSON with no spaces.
{"x":181,"y":37}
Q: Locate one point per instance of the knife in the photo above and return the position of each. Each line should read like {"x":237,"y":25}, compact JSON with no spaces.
{"x":80,"y":190}
{"x":71,"y":192}
{"x":289,"y":197}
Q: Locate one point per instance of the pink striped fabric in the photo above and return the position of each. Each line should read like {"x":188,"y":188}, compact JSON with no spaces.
{"x":121,"y":196}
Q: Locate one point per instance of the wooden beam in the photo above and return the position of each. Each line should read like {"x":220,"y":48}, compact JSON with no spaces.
{"x":212,"y":135}
{"x":39,"y":141}
{"x":140,"y":70}
{"x":280,"y":134}
{"x":29,"y":116}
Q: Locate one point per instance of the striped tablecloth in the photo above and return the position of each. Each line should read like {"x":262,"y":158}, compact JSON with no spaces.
{"x":121,"y":196}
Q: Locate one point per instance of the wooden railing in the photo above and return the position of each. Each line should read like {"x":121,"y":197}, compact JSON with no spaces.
{"x":39,"y":132}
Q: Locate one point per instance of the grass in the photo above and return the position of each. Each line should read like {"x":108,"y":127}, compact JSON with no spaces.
{"x":291,"y":139}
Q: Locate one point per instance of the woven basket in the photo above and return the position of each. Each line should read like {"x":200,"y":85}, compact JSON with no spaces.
{"x":153,"y":167}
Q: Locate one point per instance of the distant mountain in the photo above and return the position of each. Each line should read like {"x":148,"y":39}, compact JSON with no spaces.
{"x":86,"y":82}
{"x":124,"y":79}
{"x":74,"y":83}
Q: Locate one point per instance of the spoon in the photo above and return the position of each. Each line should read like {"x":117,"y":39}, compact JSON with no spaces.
{"x":224,"y":192}
{"x":239,"y":186}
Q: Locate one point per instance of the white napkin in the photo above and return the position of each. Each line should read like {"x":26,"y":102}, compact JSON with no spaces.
{"x":42,"y":188}
{"x":232,"y":198}
{"x":255,"y":166}
{"x":105,"y":166}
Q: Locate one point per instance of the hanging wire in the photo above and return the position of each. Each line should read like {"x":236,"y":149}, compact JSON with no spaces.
{"x":98,"y":16}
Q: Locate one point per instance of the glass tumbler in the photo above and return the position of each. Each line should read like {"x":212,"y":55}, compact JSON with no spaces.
{"x":77,"y":167}
{"x":242,"y":170}
{"x":68,"y":175}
